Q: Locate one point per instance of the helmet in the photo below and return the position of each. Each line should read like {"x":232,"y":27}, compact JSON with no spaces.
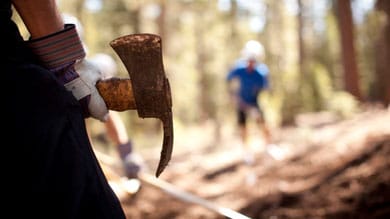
{"x":253,"y":50}
{"x":105,"y":63}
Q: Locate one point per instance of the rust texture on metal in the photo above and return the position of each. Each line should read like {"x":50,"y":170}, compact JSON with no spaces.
{"x":117,"y":93}
{"x":142,"y":57}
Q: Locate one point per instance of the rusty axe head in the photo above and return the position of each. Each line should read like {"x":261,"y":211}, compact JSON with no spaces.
{"x":142,"y":56}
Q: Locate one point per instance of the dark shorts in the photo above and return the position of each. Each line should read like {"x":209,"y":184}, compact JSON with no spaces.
{"x":243,"y":114}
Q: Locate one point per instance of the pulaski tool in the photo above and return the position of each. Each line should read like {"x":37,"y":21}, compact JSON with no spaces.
{"x":147,"y":90}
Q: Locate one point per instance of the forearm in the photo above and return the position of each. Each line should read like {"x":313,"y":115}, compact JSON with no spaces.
{"x":116,"y":130}
{"x":41,"y":17}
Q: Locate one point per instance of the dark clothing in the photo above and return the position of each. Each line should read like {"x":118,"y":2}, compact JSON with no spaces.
{"x":53,"y":172}
{"x":243,"y":114}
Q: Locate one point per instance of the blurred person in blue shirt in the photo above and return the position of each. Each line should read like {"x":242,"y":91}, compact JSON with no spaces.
{"x":252,"y":77}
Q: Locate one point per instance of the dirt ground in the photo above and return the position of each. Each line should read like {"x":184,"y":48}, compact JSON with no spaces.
{"x":321,"y":168}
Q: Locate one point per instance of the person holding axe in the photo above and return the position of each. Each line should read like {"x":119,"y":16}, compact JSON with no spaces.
{"x":52,"y":92}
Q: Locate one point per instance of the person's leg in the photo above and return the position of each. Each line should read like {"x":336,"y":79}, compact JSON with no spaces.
{"x":264,"y":128}
{"x":266,"y":133}
{"x":242,"y":126}
{"x":270,"y":147}
{"x":247,"y":153}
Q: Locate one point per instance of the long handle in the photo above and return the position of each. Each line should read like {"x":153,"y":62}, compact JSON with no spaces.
{"x":117,"y":93}
{"x":188,"y":197}
{"x":168,"y":188}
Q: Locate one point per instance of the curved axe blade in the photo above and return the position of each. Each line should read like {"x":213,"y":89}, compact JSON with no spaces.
{"x":142,"y":56}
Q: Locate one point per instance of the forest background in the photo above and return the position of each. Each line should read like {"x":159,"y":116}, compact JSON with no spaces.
{"x":323,"y":56}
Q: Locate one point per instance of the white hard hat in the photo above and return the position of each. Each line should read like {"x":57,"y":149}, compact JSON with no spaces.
{"x":105,"y":63}
{"x":253,"y":50}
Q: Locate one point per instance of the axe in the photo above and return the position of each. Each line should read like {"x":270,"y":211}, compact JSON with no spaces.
{"x":147,"y":90}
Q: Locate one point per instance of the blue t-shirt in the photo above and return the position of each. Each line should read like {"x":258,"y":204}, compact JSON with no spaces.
{"x":251,"y":83}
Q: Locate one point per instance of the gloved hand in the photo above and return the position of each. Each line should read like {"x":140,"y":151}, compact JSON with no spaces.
{"x":84,"y":87}
{"x":132,"y":162}
{"x":63,"y":54}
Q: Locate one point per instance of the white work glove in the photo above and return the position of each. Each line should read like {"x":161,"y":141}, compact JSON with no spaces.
{"x":63,"y":54}
{"x":84,"y":85}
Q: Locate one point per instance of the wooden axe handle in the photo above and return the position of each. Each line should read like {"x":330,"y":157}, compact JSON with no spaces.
{"x":117,"y":93}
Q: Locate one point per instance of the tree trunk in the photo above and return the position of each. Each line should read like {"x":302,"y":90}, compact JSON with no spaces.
{"x":351,"y":74}
{"x":302,"y":54}
{"x":382,"y":82}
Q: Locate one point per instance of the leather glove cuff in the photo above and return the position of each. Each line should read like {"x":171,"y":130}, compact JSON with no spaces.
{"x":58,"y":49}
{"x":125,"y":149}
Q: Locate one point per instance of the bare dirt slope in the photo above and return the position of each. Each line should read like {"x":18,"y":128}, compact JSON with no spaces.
{"x":337,"y":170}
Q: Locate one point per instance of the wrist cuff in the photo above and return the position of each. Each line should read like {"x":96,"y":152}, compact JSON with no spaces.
{"x":58,"y":48}
{"x":125,"y":149}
